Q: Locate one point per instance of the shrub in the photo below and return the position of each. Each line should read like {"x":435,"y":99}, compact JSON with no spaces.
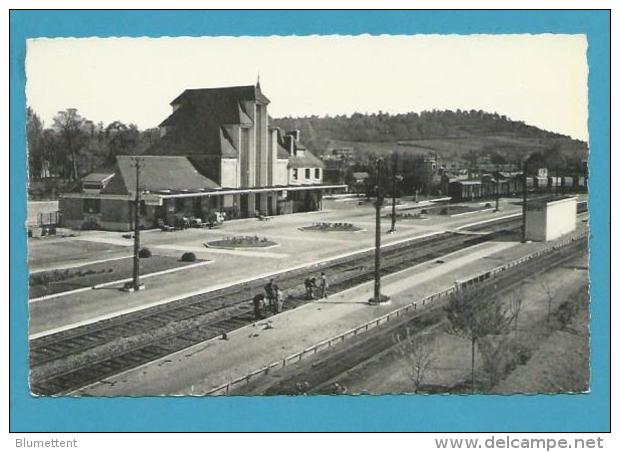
{"x":145,"y":253}
{"x":188,"y":257}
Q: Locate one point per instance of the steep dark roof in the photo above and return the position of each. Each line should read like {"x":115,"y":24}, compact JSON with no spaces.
{"x":197,"y":124}
{"x":157,"y":173}
{"x":194,"y":129}
{"x":307,"y":160}
{"x":282,"y":152}
{"x":228,"y":93}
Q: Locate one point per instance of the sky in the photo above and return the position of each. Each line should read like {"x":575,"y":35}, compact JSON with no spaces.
{"x":538,"y":79}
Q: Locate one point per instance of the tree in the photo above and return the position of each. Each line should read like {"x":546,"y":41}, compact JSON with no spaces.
{"x":498,"y":356}
{"x":122,"y":140}
{"x":496,"y":158}
{"x":474,"y":314}
{"x":36,"y":149}
{"x":549,"y":293}
{"x":419,"y":354}
{"x":71,"y":129}
{"x":516,"y":302}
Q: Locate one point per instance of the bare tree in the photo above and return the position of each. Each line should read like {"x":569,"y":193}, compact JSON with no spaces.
{"x":419,"y":354}
{"x":516,"y":302}
{"x":475,"y":314}
{"x":500,"y":354}
{"x":549,"y":294}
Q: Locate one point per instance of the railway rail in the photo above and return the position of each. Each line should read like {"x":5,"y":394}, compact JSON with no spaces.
{"x":205,"y":316}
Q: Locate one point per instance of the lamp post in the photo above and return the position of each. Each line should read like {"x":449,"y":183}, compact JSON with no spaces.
{"x":395,"y":179}
{"x":497,"y":190}
{"x":524,"y":214}
{"x":378,"y":298}
{"x":136,"y":284}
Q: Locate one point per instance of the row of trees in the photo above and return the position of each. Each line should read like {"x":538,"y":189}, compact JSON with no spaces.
{"x":480,"y":318}
{"x":74,"y":145}
{"x":491,"y":326}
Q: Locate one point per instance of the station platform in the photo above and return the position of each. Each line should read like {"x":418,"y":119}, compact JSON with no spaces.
{"x":200,"y":368}
{"x":295,"y":249}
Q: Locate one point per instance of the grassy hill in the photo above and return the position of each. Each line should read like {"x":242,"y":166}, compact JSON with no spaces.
{"x":450,"y":134}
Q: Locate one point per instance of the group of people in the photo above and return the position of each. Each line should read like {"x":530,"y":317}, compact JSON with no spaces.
{"x":316,"y":289}
{"x":272,"y":300}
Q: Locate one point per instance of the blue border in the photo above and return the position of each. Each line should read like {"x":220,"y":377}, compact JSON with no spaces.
{"x":365,"y":413}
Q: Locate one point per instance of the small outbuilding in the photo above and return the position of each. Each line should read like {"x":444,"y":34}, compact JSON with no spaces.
{"x":550,"y":217}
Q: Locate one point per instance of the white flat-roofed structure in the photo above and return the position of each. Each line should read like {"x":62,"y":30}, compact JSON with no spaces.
{"x":549,"y":218}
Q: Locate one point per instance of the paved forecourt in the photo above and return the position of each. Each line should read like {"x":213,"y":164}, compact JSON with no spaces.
{"x":212,"y":363}
{"x":295,"y":248}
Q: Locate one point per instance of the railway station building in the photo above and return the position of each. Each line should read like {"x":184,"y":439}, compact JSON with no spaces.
{"x":217,"y":152}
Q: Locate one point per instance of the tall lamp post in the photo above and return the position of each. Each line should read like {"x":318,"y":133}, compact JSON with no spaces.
{"x":524,"y":211}
{"x":378,"y":297}
{"x":136,"y":284}
{"x":497,"y":189}
{"x":395,"y":179}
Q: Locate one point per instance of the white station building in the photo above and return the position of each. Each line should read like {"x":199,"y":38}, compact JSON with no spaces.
{"x":548,"y":218}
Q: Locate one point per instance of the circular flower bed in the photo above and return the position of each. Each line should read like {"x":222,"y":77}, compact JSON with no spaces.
{"x":332,"y":227}
{"x":241,"y":242}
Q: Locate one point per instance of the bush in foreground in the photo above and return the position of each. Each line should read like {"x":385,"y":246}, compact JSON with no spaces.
{"x":188,"y":257}
{"x":145,"y":253}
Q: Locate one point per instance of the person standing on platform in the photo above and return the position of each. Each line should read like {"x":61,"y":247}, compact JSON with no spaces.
{"x":258,"y":305}
{"x":309,"y":285}
{"x":270,"y":292}
{"x":323,"y":285}
{"x":279,"y":300}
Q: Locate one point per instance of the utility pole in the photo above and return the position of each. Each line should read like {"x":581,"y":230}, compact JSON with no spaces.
{"x":524,"y":198}
{"x":395,"y":179}
{"x":136,"y":285}
{"x":378,"y":298}
{"x":497,"y":189}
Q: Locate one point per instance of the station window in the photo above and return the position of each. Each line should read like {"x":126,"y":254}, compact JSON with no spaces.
{"x":295,"y":173}
{"x":92,"y":206}
{"x":317,"y":173}
{"x":143,"y":207}
{"x":179,"y":204}
{"x":307,"y":173}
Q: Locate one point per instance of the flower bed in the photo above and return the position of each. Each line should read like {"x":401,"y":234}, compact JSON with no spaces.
{"x":332,"y":227}
{"x":248,"y":241}
{"x":88,"y":275}
{"x":408,"y":216}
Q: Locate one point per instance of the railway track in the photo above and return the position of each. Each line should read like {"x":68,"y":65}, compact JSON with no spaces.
{"x":210,"y":315}
{"x":322,"y":374}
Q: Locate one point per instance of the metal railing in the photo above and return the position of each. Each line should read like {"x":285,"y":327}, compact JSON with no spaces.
{"x":413,"y":306}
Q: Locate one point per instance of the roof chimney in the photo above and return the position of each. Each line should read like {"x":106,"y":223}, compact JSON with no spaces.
{"x":294,"y":134}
